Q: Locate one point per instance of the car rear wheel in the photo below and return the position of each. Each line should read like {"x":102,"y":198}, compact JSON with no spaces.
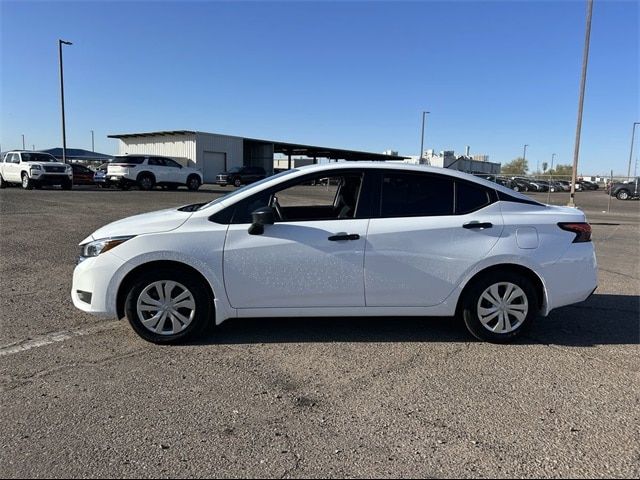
{"x":193,"y":183}
{"x":622,"y":195}
{"x":167,"y":306}
{"x":237,"y":182}
{"x":498,"y":306}
{"x":146,"y":181}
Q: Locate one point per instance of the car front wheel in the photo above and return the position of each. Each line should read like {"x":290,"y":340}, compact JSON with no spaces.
{"x":498,"y":306}
{"x":622,"y":195}
{"x":237,"y":182}
{"x":193,"y":183}
{"x":27,"y":182}
{"x":167,"y":306}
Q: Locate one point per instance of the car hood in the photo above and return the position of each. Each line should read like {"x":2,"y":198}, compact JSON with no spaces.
{"x":154,"y":222}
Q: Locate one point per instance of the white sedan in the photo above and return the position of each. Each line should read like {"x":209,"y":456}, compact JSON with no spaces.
{"x":375,"y":240}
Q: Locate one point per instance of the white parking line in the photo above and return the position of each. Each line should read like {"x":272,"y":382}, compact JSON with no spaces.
{"x":56,"y":337}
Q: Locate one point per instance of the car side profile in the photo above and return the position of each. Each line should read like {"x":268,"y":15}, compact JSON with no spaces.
{"x":376,"y":239}
{"x":147,"y":171}
{"x":32,"y":169}
{"x":626,"y":190}
{"x":239,"y":176}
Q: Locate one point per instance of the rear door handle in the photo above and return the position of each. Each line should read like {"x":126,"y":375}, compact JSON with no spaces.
{"x":479,"y":225}
{"x":344,"y":236}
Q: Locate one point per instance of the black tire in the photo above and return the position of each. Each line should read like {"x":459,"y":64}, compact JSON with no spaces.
{"x":237,"y":182}
{"x":68,"y":185}
{"x":471,"y":303}
{"x":623,"y":194}
{"x":203,"y":312}
{"x":193,"y":182}
{"x":3,"y":184}
{"x":146,"y":181}
{"x":27,"y":182}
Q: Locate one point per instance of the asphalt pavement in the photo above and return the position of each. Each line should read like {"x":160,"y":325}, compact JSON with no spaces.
{"x":368,"y":397}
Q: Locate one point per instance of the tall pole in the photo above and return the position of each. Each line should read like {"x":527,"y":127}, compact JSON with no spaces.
{"x":23,"y":147}
{"x":550,"y":170}
{"x":583,"y":79}
{"x":633,"y":134}
{"x":524,"y":154}
{"x":424,"y":114}
{"x":64,"y":132}
{"x":92,"y":146}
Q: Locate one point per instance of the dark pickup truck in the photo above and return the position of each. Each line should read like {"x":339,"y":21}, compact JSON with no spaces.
{"x":240,"y":176}
{"x":627,"y":190}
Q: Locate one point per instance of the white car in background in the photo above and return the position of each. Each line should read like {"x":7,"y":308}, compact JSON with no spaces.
{"x":147,"y":171}
{"x":33,"y":170}
{"x":377,"y":240}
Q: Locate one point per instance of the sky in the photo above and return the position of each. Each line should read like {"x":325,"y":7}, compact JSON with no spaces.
{"x":494,"y":75}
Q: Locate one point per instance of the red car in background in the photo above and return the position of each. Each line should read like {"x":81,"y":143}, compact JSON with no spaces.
{"x":82,"y":175}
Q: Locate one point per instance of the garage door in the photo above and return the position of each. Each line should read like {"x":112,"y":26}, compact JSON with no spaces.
{"x":213,"y":163}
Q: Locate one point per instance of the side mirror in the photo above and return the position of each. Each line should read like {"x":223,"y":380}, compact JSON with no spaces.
{"x":261,"y":217}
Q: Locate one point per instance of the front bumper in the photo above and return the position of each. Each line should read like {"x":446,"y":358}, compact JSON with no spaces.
{"x":92,"y":279}
{"x":50,"y":178}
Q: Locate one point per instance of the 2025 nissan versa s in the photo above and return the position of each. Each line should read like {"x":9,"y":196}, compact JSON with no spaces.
{"x":375,"y":240}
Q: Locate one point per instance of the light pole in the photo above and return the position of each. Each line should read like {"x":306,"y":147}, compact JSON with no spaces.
{"x":23,"y":147}
{"x":633,"y":134}
{"x":424,"y":114}
{"x":550,"y":170}
{"x":524,"y":155}
{"x":583,"y":80}
{"x":64,"y":133}
{"x":92,"y":147}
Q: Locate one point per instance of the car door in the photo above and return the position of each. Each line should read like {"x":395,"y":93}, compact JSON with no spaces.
{"x":12,"y":168}
{"x":174,"y":172}
{"x":311,"y":258}
{"x":431,"y":229}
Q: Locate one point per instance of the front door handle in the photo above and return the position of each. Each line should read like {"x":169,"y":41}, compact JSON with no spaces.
{"x":479,"y":225}
{"x":344,"y":236}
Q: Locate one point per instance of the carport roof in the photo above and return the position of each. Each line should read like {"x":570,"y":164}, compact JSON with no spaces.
{"x":285,"y":148}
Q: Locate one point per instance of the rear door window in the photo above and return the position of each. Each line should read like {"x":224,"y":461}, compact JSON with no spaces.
{"x":416,"y":195}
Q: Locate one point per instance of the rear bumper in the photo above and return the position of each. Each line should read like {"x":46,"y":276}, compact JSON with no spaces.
{"x":573,"y":278}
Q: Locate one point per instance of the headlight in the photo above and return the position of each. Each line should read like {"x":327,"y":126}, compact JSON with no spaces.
{"x":68,"y":168}
{"x":95,"y":248}
{"x":36,"y":167}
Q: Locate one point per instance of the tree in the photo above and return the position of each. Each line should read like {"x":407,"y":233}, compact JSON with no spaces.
{"x":519,"y":166}
{"x":564,"y":170}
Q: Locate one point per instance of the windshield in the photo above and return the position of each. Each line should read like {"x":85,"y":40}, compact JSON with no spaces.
{"x":38,"y":157}
{"x":235,"y":169}
{"x":247,"y":187}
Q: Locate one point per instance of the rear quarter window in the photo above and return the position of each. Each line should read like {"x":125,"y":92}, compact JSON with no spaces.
{"x":470,"y":197}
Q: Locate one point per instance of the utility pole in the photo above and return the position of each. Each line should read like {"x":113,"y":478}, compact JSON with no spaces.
{"x":92,"y":146}
{"x":424,"y":114}
{"x":23,"y":147}
{"x":633,"y":134}
{"x":524,"y":155}
{"x":583,"y":80}
{"x":64,"y":133}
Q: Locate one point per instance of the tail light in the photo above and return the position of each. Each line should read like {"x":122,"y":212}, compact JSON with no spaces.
{"x":582,"y":230}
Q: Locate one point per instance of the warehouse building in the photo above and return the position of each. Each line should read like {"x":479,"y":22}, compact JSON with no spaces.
{"x":213,"y":153}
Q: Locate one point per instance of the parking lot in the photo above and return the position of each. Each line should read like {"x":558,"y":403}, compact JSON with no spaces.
{"x":366,"y":397}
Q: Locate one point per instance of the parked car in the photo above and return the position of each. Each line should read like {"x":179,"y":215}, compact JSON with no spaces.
{"x":438,"y":242}
{"x":82,"y":175}
{"x":33,"y":170}
{"x":539,"y":186}
{"x":556,"y":186}
{"x":521,"y":185}
{"x":626,"y":190}
{"x":238,"y":176}
{"x":100,"y":176}
{"x":147,"y":171}
{"x":587,"y":185}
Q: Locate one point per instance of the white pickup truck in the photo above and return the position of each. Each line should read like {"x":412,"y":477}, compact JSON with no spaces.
{"x":34,"y":169}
